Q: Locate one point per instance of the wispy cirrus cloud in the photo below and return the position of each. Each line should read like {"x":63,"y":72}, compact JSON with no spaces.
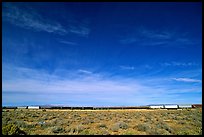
{"x":127,"y":67}
{"x":30,"y":19}
{"x":174,"y":63}
{"x":146,"y":37}
{"x":187,"y":80}
{"x":155,"y":35}
{"x":85,"y":71}
{"x":136,"y":68}
{"x":80,"y":30}
{"x":80,"y":27}
{"x":68,"y":42}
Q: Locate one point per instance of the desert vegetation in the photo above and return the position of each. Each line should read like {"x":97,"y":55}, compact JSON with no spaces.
{"x":102,"y":122}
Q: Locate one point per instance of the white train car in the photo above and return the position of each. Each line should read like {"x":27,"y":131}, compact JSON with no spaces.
{"x":171,"y":106}
{"x":22,"y":107}
{"x":33,"y":107}
{"x":182,"y":106}
{"x":156,"y":106}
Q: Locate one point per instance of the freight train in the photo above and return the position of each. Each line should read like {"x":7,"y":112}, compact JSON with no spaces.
{"x":164,"y":106}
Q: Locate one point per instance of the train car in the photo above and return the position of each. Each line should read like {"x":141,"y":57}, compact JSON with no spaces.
{"x":79,"y":108}
{"x":45,"y":107}
{"x":9,"y":107}
{"x":89,"y":108}
{"x":156,"y":106}
{"x":171,"y":106}
{"x":66,"y":107}
{"x":196,"y":105}
{"x":56,"y":107}
{"x":33,"y":107}
{"x":22,"y":107}
{"x":184,"y":106}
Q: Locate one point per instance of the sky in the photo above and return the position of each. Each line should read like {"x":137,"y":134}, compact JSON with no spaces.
{"x":102,"y":53}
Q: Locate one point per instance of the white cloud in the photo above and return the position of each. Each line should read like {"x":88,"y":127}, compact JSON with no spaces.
{"x":127,"y":67}
{"x":174,"y":63}
{"x":68,"y":42}
{"x":85,"y":71}
{"x":155,"y":35}
{"x":145,"y":37}
{"x":83,"y":88}
{"x":30,"y":20}
{"x":80,"y":30}
{"x":32,"y":81}
{"x":187,"y":80}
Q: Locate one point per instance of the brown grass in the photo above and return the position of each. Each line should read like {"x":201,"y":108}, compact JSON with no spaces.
{"x":106,"y":122}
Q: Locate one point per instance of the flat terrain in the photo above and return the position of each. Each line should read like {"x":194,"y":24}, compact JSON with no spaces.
{"x":105,"y":122}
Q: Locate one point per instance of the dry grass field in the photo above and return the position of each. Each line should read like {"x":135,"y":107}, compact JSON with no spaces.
{"x":102,"y":122}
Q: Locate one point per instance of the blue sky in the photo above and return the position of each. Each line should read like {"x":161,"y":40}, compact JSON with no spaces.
{"x":101,"y":54}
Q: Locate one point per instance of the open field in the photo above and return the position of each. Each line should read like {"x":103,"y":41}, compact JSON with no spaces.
{"x":104,"y":122}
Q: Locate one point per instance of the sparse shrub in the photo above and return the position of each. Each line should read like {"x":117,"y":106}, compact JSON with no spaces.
{"x":45,"y":118}
{"x":137,"y":115}
{"x":119,"y":125}
{"x":53,"y":117}
{"x":21,"y":123}
{"x":102,"y":125}
{"x":127,"y":120}
{"x":163,"y":125}
{"x":181,"y":122}
{"x":88,"y":121}
{"x":74,"y":130}
{"x":5,"y":120}
{"x":85,"y":132}
{"x":148,"y":115}
{"x":12,"y":129}
{"x":100,"y":117}
{"x":78,"y":118}
{"x":80,"y":128}
{"x":34,"y":115}
{"x":143,"y":127}
{"x":158,"y":132}
{"x":187,"y":131}
{"x":75,"y":115}
{"x":31,"y":126}
{"x":68,"y":129}
{"x":184,"y":118}
{"x":115,"y":128}
{"x":57,"y":130}
{"x":175,"y":118}
{"x":129,"y":133}
{"x":165,"y":114}
{"x":58,"y":122}
{"x":122,"y":125}
{"x":104,"y":132}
